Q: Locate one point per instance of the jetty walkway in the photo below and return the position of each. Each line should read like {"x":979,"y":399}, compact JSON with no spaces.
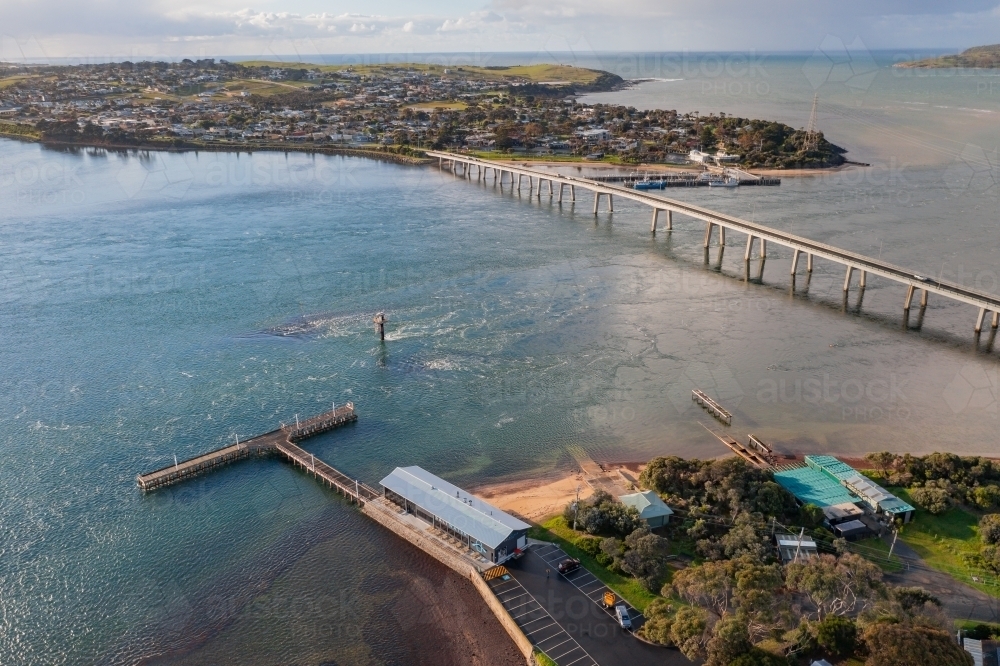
{"x":851,"y":261}
{"x":280,"y":441}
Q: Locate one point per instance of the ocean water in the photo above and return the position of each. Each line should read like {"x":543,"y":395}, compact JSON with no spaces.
{"x":156,"y":305}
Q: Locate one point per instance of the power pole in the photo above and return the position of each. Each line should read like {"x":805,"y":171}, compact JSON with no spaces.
{"x":576,"y":506}
{"x":798,"y":546}
{"x":895,"y":535}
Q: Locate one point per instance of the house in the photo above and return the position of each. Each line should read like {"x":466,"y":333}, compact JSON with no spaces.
{"x":595,"y":135}
{"x":653,"y":511}
{"x":482,"y":527}
{"x":984,"y":653}
{"x":792,"y":548}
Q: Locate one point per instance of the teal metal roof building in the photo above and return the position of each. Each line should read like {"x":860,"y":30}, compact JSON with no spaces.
{"x":813,"y":486}
{"x":827,"y":482}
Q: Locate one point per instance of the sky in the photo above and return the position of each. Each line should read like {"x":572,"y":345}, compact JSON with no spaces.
{"x":98,"y":30}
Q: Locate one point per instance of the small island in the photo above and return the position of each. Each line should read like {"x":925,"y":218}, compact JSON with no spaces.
{"x":978,"y":57}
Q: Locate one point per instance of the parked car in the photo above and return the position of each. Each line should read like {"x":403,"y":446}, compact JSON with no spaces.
{"x":623,"y":619}
{"x":568,"y":565}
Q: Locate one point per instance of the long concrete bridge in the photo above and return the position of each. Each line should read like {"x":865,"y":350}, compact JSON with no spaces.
{"x":851,"y":261}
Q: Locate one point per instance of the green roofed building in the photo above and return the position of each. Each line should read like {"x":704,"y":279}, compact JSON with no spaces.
{"x":653,"y":511}
{"x":835,"y":487}
{"x":814,"y":486}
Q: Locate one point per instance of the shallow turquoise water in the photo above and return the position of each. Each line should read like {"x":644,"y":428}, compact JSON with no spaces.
{"x":160,"y":305}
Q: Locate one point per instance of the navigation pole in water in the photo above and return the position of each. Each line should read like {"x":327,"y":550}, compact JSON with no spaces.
{"x":380,"y":325}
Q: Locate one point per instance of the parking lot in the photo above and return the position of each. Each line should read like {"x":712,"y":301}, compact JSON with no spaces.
{"x":537,"y":624}
{"x":575,"y":603}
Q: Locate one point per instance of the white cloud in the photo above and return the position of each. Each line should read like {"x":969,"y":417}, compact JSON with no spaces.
{"x":220,"y":27}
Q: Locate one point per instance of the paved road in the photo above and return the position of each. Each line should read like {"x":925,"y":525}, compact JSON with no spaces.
{"x":961,"y":602}
{"x":574,"y":602}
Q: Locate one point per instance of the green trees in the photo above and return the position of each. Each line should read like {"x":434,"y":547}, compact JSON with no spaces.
{"x":936,"y":500}
{"x":602,"y":514}
{"x":717,"y":487}
{"x":892,"y":644}
{"x":836,"y":586}
{"x":989,"y":528}
{"x":837,"y":635}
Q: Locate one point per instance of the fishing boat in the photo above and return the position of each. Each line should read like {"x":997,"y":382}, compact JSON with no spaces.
{"x":725,"y":182}
{"x":648,"y":184}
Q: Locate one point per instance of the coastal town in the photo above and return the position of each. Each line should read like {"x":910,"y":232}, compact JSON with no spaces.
{"x":401,"y":109}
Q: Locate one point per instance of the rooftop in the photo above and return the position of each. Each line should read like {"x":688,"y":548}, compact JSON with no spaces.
{"x":813,"y":486}
{"x":647,"y":503}
{"x":480,"y":520}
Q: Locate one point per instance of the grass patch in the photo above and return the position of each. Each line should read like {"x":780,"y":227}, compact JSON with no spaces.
{"x":557,"y":531}
{"x":11,"y":80}
{"x":966,"y":625}
{"x":543,"y":659}
{"x":544,"y":73}
{"x":942,"y":540}
{"x":431,"y":106}
{"x":19,"y":129}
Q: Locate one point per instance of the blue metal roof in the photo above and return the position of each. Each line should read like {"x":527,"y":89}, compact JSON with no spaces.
{"x":812,"y":486}
{"x":481,"y":521}
{"x":648,"y":504}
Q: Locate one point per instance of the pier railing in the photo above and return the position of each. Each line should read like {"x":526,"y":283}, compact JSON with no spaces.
{"x":277,"y":441}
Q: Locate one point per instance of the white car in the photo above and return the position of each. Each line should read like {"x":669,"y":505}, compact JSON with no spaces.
{"x":621,"y":612}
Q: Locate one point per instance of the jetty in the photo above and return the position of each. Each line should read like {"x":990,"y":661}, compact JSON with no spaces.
{"x":281,"y":441}
{"x":712,"y":406}
{"x":714,"y":221}
{"x":437,"y":540}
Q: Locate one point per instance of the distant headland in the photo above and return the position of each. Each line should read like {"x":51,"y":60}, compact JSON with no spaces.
{"x":981,"y":57}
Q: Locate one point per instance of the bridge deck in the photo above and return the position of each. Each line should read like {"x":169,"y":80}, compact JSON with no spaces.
{"x":852,"y":260}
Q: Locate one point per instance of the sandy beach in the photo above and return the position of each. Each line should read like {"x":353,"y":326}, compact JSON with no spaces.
{"x":535,"y":499}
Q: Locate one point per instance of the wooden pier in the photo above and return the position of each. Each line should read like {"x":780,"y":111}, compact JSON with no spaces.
{"x":350,"y":488}
{"x":712,"y":406}
{"x":747,"y":453}
{"x":265,"y":444}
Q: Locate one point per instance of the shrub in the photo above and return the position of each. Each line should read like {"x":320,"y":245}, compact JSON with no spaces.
{"x":935,"y":500}
{"x":895,"y":644}
{"x":986,"y":497}
{"x":837,"y":635}
{"x":989,"y":528}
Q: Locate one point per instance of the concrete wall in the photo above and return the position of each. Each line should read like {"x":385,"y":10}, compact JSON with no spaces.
{"x":388,"y":519}
{"x":520,"y":640}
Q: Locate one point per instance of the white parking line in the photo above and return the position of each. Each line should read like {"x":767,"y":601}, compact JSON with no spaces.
{"x":511,"y":610}
{"x":497,"y":590}
{"x":559,"y":635}
{"x":584,"y":657}
{"x":526,"y":613}
{"x":535,"y":631}
{"x":536,"y":620}
{"x":510,"y":599}
{"x":560,"y":656}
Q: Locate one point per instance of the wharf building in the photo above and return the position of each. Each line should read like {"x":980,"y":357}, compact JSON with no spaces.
{"x":482,"y":527}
